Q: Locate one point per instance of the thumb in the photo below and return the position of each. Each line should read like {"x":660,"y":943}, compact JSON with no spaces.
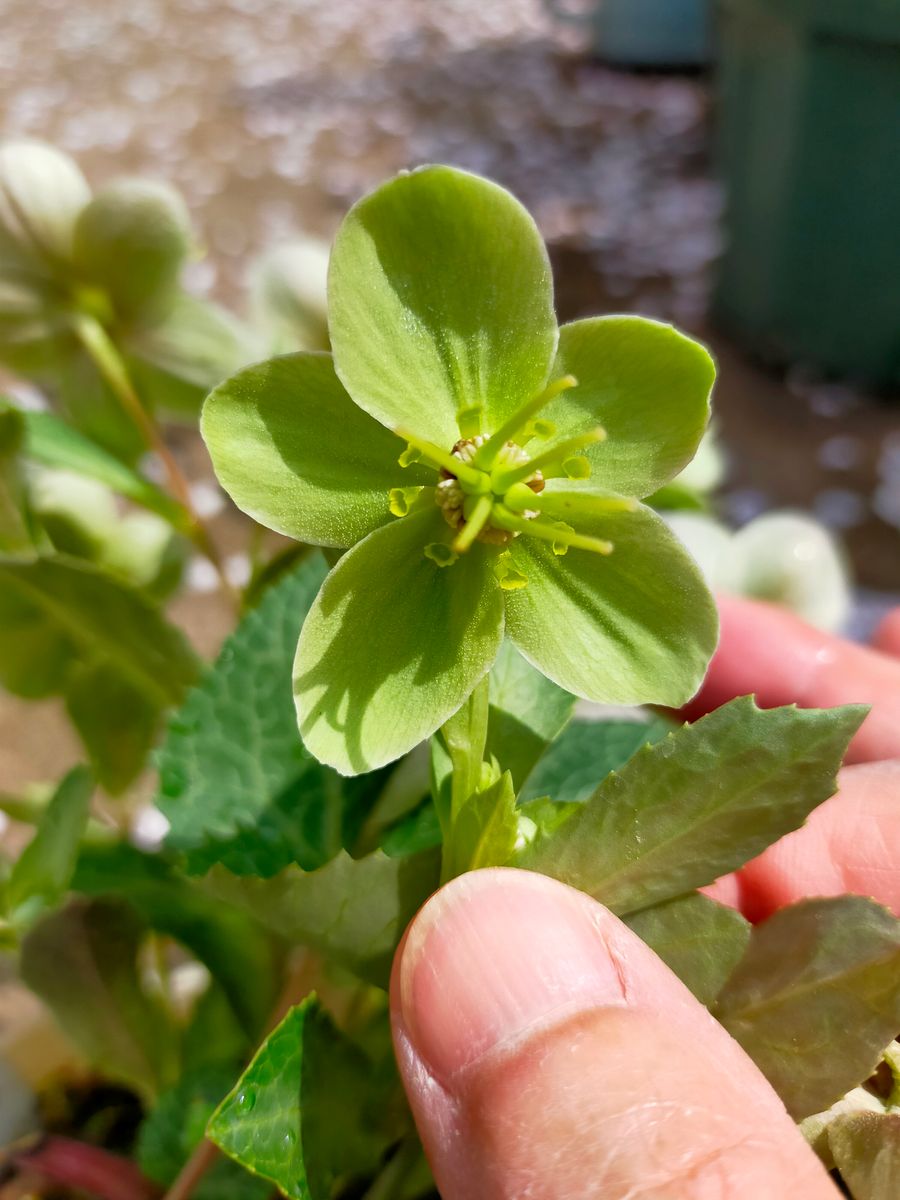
{"x":548,"y":1053}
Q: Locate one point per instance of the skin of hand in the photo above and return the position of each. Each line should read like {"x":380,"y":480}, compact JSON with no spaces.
{"x":546,"y":1051}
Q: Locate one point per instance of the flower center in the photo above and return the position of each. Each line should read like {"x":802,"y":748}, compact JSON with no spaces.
{"x":469,"y":504}
{"x":489,"y":486}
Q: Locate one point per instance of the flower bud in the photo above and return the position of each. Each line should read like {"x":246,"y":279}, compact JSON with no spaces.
{"x":42,"y":193}
{"x":132,"y":240}
{"x":289,"y":295}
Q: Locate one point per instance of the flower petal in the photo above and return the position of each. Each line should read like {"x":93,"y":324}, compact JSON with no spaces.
{"x":440,"y":298}
{"x":635,"y":627}
{"x":292,"y":449}
{"x":648,"y":386}
{"x":393,"y":645}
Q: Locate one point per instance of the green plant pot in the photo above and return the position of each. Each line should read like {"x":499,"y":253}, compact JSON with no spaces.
{"x":810,"y":151}
{"x":645,"y":33}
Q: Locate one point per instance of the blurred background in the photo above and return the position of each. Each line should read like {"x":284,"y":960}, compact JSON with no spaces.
{"x":733,"y":169}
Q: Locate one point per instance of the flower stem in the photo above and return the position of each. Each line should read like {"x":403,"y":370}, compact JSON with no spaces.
{"x":388,"y":1184}
{"x":108,"y":361}
{"x":458,"y":756}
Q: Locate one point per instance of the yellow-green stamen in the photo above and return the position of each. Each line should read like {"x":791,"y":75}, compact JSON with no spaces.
{"x":476,"y":519}
{"x":443,"y":458}
{"x":560,"y":534}
{"x":505,"y":477}
{"x":519,"y":419}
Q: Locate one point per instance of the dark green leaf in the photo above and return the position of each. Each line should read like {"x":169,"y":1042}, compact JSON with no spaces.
{"x":116,"y":721}
{"x":353,"y":910}
{"x":82,"y":962}
{"x":526,"y":712}
{"x":178,"y":1123}
{"x":236,"y":782}
{"x":418,"y":830}
{"x":585,"y":753}
{"x":698,"y":804}
{"x":15,"y":529}
{"x":866,"y":1149}
{"x":817,"y":998}
{"x":72,"y":605}
{"x":41,"y":875}
{"x":307,"y":1113}
{"x":229,"y":943}
{"x":700,"y":940}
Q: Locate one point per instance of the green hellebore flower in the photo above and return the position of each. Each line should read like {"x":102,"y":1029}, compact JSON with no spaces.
{"x":116,"y":258}
{"x":482,"y":465}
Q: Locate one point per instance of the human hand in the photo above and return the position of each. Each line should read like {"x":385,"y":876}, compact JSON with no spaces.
{"x":528,"y":1020}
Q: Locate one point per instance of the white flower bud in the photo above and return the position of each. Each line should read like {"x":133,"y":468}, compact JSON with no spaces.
{"x":289,"y":294}
{"x":42,"y":193}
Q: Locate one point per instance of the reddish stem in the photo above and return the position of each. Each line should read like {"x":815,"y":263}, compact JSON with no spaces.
{"x":88,"y":1168}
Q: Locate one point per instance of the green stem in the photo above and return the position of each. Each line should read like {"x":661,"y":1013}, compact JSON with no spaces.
{"x":389,"y":1183}
{"x":458,"y":754}
{"x":109,"y":362}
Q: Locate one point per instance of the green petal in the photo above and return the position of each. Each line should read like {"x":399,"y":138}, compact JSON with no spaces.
{"x":393,"y":645}
{"x":635,"y":627}
{"x":294,"y":452}
{"x":648,"y":386}
{"x":440,"y":298}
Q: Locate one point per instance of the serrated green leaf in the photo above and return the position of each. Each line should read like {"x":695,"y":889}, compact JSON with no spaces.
{"x":88,"y":612}
{"x":584,"y":754}
{"x":41,"y":874}
{"x":866,"y":1150}
{"x":236,"y":783}
{"x":82,"y":962}
{"x":232,"y":946}
{"x":657,"y":828}
{"x":816,"y":998}
{"x":484,"y":831}
{"x":700,"y":940}
{"x":527,"y":711}
{"x":352,"y":910}
{"x":52,"y":442}
{"x":306,"y":1114}
{"x":176,"y":1126}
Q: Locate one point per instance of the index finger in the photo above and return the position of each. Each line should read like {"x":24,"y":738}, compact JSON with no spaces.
{"x":769,"y":652}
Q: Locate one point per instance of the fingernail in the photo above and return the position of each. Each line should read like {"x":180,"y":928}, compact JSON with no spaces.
{"x":495,"y":955}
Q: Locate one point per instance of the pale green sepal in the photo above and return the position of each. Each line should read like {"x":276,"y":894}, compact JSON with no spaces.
{"x":637,"y":626}
{"x":440,"y":299}
{"x":647,"y":385}
{"x":294,"y":452}
{"x":393,"y":645}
